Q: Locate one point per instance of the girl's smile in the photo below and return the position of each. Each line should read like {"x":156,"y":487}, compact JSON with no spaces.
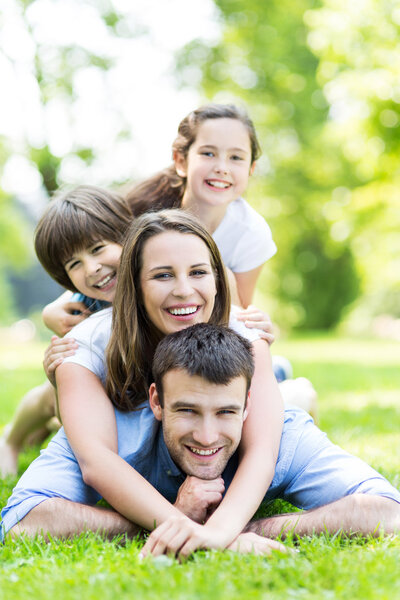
{"x":177,"y":281}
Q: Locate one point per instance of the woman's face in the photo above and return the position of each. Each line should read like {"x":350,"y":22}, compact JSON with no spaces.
{"x":177,"y":281}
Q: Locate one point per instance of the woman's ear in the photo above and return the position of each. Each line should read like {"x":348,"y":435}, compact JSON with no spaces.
{"x":180,"y":163}
{"x":155,"y":402}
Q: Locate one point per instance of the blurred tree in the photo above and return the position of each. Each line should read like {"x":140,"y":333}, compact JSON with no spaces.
{"x":48,"y":138}
{"x":321,"y":80}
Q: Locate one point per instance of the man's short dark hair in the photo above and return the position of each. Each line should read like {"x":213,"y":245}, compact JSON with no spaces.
{"x":214,"y":352}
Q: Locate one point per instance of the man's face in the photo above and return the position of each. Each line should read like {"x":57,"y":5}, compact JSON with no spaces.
{"x":202,"y":422}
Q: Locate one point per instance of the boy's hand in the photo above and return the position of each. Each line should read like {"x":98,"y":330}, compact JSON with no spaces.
{"x":61,"y":317}
{"x":55,"y":353}
{"x":253,"y":317}
{"x":198,"y":498}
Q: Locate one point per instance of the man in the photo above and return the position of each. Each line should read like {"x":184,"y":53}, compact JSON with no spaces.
{"x":202,"y":375}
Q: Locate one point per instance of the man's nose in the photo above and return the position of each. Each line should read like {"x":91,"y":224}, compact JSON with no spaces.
{"x":206,"y":433}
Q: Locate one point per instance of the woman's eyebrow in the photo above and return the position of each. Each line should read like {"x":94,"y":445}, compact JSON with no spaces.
{"x":161,"y":267}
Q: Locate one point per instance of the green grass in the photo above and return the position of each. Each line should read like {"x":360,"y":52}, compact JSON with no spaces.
{"x":359,"y":400}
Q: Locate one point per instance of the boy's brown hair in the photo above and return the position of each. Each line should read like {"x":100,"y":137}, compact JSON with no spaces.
{"x":76,"y":220}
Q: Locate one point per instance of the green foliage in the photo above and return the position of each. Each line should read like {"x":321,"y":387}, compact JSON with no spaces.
{"x":358,"y":384}
{"x":320,"y":80}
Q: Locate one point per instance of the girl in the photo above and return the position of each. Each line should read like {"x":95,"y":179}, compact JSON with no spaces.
{"x":214,"y":155}
{"x":171,"y":276}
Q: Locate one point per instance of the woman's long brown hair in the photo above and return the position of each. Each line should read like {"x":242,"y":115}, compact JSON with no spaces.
{"x":134,"y":337}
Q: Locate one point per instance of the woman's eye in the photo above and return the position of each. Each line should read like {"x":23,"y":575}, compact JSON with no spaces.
{"x":162,"y":276}
{"x":198,"y":273}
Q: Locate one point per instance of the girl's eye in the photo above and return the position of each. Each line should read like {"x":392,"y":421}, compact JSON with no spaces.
{"x":235,"y":157}
{"x":97,"y":248}
{"x":207,"y":153}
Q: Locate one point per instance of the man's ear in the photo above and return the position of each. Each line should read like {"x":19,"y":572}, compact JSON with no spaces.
{"x":252,"y":167}
{"x":155,"y":402}
{"x":180,"y":163}
{"x":246,"y":410}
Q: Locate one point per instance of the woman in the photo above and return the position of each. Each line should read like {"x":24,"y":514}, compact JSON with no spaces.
{"x":171,"y":276}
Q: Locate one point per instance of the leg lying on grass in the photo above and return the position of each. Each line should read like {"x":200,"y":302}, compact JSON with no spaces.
{"x":62,"y":518}
{"x":34,"y":411}
{"x":359,"y":513}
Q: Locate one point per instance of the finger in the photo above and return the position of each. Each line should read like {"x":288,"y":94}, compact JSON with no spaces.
{"x":191,"y":545}
{"x":50,"y":369}
{"x":70,"y":306}
{"x":268,"y":337}
{"x":169,"y":540}
{"x":264,"y":325}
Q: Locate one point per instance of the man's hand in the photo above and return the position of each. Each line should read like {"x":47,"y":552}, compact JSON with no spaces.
{"x":198,"y":498}
{"x":251,"y":543}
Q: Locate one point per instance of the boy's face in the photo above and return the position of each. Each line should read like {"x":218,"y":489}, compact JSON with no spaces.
{"x":202,"y":421}
{"x":93,"y":271}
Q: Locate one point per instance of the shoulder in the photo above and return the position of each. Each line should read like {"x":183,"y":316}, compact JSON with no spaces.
{"x":95,"y":327}
{"x":240,"y":212}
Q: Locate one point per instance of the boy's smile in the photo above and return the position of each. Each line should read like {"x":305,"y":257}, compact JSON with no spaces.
{"x":202,"y":421}
{"x":93,"y":271}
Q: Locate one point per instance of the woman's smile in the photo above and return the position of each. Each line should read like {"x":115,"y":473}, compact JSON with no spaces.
{"x":177,"y":281}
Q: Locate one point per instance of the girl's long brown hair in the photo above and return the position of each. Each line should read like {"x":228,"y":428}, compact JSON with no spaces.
{"x":134,"y":337}
{"x":166,"y":188}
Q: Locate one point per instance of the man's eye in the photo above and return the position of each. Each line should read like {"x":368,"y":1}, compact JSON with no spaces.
{"x":227,"y":412}
{"x":185,"y":410}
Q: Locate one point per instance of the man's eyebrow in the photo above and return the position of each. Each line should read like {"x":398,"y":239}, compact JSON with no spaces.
{"x":166,"y":267}
{"x":189,"y":404}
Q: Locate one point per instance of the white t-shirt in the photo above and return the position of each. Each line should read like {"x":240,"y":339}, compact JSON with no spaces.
{"x":93,"y":334}
{"x":244,"y":238}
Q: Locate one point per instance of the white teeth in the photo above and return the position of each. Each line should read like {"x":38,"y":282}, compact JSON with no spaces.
{"x":218,"y":184}
{"x":204,"y":452}
{"x":104,"y":281}
{"x":189,"y":310}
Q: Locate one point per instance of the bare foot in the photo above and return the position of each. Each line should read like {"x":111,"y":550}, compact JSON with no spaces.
{"x":8,"y":456}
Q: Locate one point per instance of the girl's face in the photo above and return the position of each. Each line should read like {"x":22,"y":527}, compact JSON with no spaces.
{"x":218,"y":164}
{"x":93,"y":270}
{"x":177,"y":281}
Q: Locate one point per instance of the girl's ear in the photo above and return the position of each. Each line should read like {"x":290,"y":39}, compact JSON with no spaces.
{"x":155,"y":402}
{"x":180,"y":164}
{"x":253,"y":166}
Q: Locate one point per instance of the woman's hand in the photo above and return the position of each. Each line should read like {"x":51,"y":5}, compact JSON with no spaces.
{"x":62,"y":315}
{"x":253,"y":317}
{"x":55,"y":353}
{"x":180,"y":536}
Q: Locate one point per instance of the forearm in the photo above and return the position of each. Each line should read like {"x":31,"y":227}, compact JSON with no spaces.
{"x":60,"y":518}
{"x":259,"y":449}
{"x":363,"y":514}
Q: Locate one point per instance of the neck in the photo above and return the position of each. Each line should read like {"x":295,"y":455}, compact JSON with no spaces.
{"x":209,"y":216}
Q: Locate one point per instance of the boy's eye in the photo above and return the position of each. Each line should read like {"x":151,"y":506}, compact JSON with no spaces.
{"x":71,"y":265}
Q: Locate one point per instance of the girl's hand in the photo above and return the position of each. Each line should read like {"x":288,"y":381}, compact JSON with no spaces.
{"x":253,"y":317}
{"x":60,"y":317}
{"x":55,"y":353}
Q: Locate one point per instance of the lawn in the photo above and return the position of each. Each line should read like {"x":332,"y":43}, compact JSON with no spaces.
{"x":359,"y":401}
